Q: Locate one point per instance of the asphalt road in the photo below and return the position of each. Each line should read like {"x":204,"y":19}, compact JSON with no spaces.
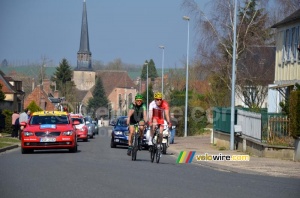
{"x":97,"y":170}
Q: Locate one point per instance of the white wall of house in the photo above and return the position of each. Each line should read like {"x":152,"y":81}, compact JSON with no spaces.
{"x":287,"y":64}
{"x":287,"y":68}
{"x":274,"y":98}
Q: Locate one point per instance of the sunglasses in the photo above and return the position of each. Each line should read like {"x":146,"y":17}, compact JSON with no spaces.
{"x":158,"y":99}
{"x":138,"y":100}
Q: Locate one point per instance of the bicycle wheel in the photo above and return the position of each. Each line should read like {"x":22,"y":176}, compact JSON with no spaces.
{"x":152,"y":154}
{"x":134,"y":147}
{"x":158,"y":153}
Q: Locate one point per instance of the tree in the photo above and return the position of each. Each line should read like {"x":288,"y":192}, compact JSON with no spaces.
{"x":152,"y":73}
{"x":115,"y":65}
{"x":150,"y":94}
{"x":2,"y":95}
{"x":42,"y":72}
{"x":4,"y":63}
{"x":283,"y":9}
{"x":33,"y":107}
{"x":99,"y":98}
{"x":215,"y":45}
{"x":255,"y":72}
{"x":63,"y":76}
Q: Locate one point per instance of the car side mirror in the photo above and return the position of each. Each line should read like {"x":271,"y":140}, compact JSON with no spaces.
{"x":112,"y":124}
{"x":23,"y":123}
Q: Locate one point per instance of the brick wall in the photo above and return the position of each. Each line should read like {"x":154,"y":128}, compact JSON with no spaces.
{"x":40,"y":98}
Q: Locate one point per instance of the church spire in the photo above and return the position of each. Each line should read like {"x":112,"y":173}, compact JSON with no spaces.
{"x":84,"y":56}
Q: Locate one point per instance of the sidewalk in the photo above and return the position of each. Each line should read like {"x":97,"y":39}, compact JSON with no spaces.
{"x":257,"y":165}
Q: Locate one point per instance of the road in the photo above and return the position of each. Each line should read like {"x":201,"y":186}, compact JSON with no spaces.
{"x":97,"y":170}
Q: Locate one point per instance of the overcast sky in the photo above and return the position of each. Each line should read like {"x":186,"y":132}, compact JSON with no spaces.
{"x":131,"y":30}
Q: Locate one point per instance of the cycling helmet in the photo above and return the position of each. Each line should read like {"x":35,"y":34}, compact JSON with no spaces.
{"x":157,"y":95}
{"x":138,"y":97}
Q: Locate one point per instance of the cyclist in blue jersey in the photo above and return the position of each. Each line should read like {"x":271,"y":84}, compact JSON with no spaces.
{"x":137,"y":113}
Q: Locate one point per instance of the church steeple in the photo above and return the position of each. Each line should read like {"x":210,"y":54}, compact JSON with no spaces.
{"x":84,"y":56}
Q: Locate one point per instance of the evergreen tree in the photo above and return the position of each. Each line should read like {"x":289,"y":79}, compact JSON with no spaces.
{"x":99,"y":97}
{"x":2,"y":95}
{"x":152,"y":73}
{"x":150,"y":94}
{"x":33,"y":107}
{"x":63,"y":77}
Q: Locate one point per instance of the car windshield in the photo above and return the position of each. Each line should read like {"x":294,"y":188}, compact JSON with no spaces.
{"x":122,"y":122}
{"x":88,"y":119}
{"x":38,"y":120}
{"x":80,"y":120}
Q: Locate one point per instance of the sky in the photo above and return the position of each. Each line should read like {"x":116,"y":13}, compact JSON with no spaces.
{"x":130,"y":30}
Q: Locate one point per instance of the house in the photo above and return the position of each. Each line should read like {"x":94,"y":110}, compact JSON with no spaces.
{"x":43,"y":96}
{"x":287,"y":60}
{"x":120,"y":90}
{"x":14,"y":95}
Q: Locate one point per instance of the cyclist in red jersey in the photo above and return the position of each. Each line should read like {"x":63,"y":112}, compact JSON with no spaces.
{"x":158,"y":112}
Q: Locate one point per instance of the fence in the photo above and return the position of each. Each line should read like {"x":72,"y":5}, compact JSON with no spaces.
{"x":278,"y":127}
{"x":250,"y":123}
{"x":263,"y":126}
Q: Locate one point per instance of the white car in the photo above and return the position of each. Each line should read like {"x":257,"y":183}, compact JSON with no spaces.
{"x":91,"y":127}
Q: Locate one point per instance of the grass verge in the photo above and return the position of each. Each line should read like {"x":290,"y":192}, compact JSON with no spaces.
{"x":5,"y":140}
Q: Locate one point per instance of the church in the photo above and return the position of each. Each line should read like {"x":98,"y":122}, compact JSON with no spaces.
{"x":119,"y":88}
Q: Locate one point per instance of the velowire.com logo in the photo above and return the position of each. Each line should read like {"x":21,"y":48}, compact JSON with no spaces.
{"x":188,"y":156}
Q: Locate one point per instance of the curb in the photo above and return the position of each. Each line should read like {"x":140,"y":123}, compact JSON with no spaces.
{"x":8,"y":148}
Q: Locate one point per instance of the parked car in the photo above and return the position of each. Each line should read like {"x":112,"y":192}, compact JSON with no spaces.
{"x":49,"y":130}
{"x":91,"y":127}
{"x":120,"y":132}
{"x":96,"y":126}
{"x":81,"y":128}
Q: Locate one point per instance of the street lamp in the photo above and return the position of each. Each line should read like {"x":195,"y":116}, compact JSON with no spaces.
{"x":233,"y":80}
{"x":147,"y":90}
{"x":187,"y":76}
{"x":162,"y":68}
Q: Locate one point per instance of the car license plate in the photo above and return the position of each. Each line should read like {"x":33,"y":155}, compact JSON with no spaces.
{"x":47,"y":139}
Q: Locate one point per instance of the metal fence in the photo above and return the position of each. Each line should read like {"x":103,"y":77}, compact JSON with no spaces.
{"x":278,"y":127}
{"x":262,"y":126}
{"x":250,"y":123}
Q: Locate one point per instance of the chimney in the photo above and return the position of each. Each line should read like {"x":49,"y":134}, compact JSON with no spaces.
{"x":46,"y":86}
{"x":33,"y":84}
{"x":56,"y":94}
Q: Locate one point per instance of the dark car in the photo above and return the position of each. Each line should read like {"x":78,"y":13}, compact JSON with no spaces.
{"x":120,"y":132}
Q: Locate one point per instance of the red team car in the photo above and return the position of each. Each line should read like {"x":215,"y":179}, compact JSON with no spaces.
{"x":81,"y":128}
{"x":49,"y":130}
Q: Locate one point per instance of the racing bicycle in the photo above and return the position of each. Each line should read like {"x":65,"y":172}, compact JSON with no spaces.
{"x":156,"y":148}
{"x":135,"y":142}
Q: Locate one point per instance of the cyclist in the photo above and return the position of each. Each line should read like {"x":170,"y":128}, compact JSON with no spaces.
{"x":158,"y":113}
{"x":137,"y":113}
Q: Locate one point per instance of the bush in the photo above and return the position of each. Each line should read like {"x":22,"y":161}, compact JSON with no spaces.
{"x":196,"y":123}
{"x":8,"y":125}
{"x":294,"y":113}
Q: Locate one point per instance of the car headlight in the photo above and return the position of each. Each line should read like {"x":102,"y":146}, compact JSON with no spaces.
{"x":26,"y":133}
{"x":68,"y":133}
{"x":118,"y":132}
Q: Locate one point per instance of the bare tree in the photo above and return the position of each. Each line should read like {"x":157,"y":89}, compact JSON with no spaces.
{"x":115,"y":65}
{"x":215,"y":49}
{"x":255,"y":73}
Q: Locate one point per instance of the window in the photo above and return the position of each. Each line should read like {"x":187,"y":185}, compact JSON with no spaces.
{"x":287,"y":45}
{"x":130,"y":98}
{"x":120,"y":100}
{"x":293,"y":45}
